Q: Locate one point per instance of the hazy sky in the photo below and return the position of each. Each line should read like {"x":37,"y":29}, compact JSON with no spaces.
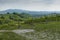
{"x":33,"y":5}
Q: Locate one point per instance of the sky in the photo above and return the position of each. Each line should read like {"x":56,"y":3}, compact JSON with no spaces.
{"x":32,"y":5}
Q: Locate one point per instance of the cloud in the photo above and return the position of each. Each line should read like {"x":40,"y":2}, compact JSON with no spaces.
{"x":30,"y":4}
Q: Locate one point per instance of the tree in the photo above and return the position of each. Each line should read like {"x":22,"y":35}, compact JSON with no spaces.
{"x":8,"y":13}
{"x":15,"y":13}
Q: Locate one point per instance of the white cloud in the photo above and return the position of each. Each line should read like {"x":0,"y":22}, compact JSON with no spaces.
{"x":30,"y":4}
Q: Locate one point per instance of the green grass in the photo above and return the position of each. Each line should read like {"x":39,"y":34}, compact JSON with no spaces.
{"x":54,"y":26}
{"x":45,"y":31}
{"x":47,"y":25}
{"x":10,"y":36}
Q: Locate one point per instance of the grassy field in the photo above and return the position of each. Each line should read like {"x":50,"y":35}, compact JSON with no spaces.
{"x":45,"y":31}
{"x":10,"y":36}
{"x":46,"y":27}
{"x":54,"y":26}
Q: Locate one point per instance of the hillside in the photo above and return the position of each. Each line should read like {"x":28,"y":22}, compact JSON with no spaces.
{"x":34,"y":13}
{"x":18,"y":21}
{"x":46,"y":27}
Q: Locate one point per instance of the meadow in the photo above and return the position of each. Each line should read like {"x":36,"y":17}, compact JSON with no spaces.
{"x":46,"y":27}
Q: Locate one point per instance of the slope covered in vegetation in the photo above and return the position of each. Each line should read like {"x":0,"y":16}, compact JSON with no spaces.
{"x":25,"y":21}
{"x":11,"y":36}
{"x":46,"y":27}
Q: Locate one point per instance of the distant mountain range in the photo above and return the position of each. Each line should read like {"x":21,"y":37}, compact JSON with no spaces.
{"x":38,"y":13}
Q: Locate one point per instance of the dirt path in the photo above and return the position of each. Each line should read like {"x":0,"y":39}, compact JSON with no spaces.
{"x":18,"y":31}
{"x":23,"y":31}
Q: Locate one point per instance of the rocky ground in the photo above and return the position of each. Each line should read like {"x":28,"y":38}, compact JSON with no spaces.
{"x":43,"y":35}
{"x":30,"y":34}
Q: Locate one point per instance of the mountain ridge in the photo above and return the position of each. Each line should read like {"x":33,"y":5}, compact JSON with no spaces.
{"x":29,"y":12}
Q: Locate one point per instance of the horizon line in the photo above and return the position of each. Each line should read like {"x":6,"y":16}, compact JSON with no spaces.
{"x":29,"y":10}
